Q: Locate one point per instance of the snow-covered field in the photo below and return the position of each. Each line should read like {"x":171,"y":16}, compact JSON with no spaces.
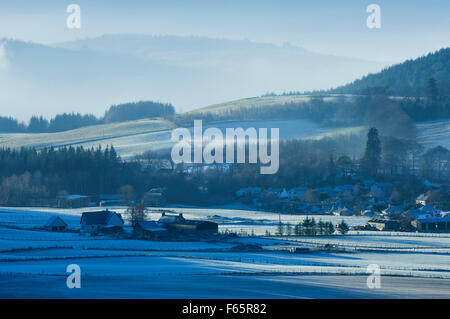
{"x":33,"y":262}
{"x":136,"y":137}
{"x":129,"y":138}
{"x":434,"y":133}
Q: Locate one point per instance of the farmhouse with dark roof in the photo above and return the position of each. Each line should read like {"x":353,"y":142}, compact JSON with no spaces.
{"x":101,"y":222}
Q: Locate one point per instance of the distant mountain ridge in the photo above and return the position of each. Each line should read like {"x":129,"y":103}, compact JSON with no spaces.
{"x":151,"y":46}
{"x":89,"y":75}
{"x":408,"y":78}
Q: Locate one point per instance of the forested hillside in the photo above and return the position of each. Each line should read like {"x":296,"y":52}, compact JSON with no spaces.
{"x":410,"y":78}
{"x":415,"y":91}
{"x":137,"y":110}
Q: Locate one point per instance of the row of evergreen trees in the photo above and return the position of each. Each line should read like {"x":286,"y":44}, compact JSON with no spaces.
{"x":61,"y":122}
{"x":28,"y":175}
{"x":309,"y":227}
{"x":39,"y":124}
{"x":138,"y":110}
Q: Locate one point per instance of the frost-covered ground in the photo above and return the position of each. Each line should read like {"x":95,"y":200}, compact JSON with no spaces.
{"x":212,"y":286}
{"x":136,"y":137}
{"x":33,"y":262}
{"x":434,"y":133}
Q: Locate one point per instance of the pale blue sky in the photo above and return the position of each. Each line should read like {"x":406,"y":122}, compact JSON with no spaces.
{"x":409,"y":28}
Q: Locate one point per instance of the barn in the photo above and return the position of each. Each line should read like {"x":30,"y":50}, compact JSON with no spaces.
{"x":435,"y":224}
{"x":177,"y":223}
{"x":383,"y":224}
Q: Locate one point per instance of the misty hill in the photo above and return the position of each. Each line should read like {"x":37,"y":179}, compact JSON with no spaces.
{"x":88,"y":75}
{"x":261,"y":101}
{"x":409,"y":78}
{"x":320,"y":109}
{"x":393,"y":99}
{"x":393,"y":116}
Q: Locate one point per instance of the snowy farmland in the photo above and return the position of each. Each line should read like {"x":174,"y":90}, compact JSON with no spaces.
{"x":33,"y":262}
{"x":136,"y":137}
{"x":434,"y":133}
{"x":129,"y":138}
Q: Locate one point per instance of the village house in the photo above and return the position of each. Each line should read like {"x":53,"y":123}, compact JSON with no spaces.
{"x":429,"y":198}
{"x":376,"y":194}
{"x":55,"y":223}
{"x":423,"y":199}
{"x":101,"y":222}
{"x":429,"y":211}
{"x":284,"y":194}
{"x":392,"y":209}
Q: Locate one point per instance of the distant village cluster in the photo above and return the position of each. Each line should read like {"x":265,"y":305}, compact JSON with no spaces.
{"x":378,"y":200}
